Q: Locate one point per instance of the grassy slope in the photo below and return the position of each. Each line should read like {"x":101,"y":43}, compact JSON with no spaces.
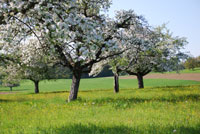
{"x":97,"y":84}
{"x":164,"y":110}
{"x":196,"y":70}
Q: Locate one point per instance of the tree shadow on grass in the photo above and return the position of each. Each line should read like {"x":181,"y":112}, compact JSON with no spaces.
{"x":53,"y":92}
{"x":170,"y":88}
{"x":128,"y":102}
{"x":84,"y":91}
{"x":5,"y":100}
{"x":95,"y":129}
{"x":88,"y":129}
{"x":9,"y":100}
{"x":172,"y":98}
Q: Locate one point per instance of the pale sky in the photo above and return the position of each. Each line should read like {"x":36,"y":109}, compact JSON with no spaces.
{"x":182,"y":17}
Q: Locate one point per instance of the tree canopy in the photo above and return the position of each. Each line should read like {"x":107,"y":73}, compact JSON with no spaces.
{"x":78,"y":35}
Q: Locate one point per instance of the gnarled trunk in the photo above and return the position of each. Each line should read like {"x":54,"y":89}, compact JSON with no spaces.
{"x":75,"y":86}
{"x":116,"y":82}
{"x":36,"y":83}
{"x":140,"y":81}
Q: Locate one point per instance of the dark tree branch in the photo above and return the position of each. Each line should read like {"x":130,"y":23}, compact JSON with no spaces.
{"x":90,"y":63}
{"x":131,"y":73}
{"x":29,"y":6}
{"x":29,"y":28}
{"x":124,"y":23}
{"x":68,"y":62}
{"x":146,"y":72}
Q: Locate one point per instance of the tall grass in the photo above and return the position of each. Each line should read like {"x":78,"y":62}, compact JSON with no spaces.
{"x":161,"y":110}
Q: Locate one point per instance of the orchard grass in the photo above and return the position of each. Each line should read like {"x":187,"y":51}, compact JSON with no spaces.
{"x":95,"y":84}
{"x":161,"y":110}
{"x":195,"y":70}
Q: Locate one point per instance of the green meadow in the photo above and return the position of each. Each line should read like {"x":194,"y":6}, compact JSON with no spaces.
{"x":162,"y":107}
{"x":195,"y":70}
{"x":96,"y":84}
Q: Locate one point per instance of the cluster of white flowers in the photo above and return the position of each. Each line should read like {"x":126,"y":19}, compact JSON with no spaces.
{"x":77,"y":26}
{"x":147,"y":48}
{"x":79,"y":35}
{"x":30,"y":52}
{"x":98,"y":67}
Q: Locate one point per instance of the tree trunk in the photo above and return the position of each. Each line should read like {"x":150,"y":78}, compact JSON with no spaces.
{"x":140,"y":81}
{"x":75,"y":86}
{"x":116,"y":83}
{"x":36,"y":86}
